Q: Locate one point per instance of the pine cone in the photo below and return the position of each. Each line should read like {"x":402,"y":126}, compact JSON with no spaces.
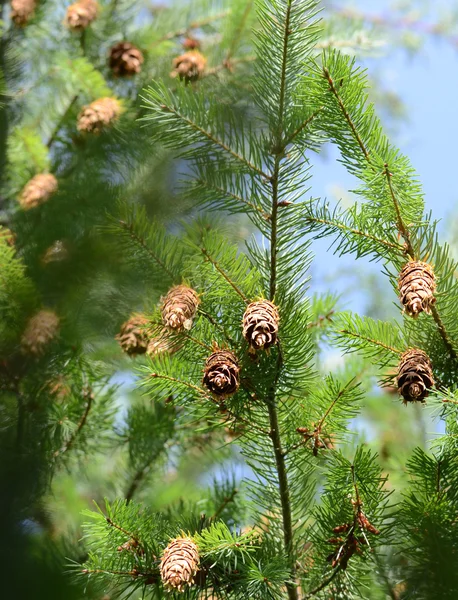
{"x":179,"y":307}
{"x":81,"y":14}
{"x":221,"y":373}
{"x":125,"y":59}
{"x":189,"y":66}
{"x":260,"y":324}
{"x":179,"y":564}
{"x":415,"y":375}
{"x":38,"y":190}
{"x":22,"y":11}
{"x":99,"y":114}
{"x":417,"y":284}
{"x":40,"y":331}
{"x":191,"y":43}
{"x":133,"y":337}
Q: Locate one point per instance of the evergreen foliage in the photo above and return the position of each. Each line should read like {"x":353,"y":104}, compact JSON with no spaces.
{"x":315,"y":514}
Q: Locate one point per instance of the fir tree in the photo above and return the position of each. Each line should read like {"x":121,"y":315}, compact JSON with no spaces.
{"x":226,"y":341}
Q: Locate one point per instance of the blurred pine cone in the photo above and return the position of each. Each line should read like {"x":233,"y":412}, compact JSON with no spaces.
{"x":190,"y":66}
{"x":40,"y":331}
{"x":417,"y":284}
{"x":81,"y":14}
{"x":99,"y":114}
{"x":125,"y":59}
{"x":179,"y":564}
{"x":415,"y":375}
{"x":260,"y":324}
{"x":38,"y":190}
{"x":179,"y":307}
{"x":22,"y":11}
{"x":221,"y":373}
{"x":133,"y":337}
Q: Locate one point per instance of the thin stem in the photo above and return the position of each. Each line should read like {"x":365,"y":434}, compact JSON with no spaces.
{"x":371,"y":340}
{"x":194,"y":25}
{"x":236,"y":197}
{"x":302,"y":126}
{"x":224,"y":275}
{"x":320,"y":423}
{"x":121,"y":529}
{"x":215,"y":323}
{"x":58,"y":127}
{"x":66,"y":447}
{"x":180,"y":382}
{"x":320,"y":320}
{"x":399,"y":221}
{"x":237,"y":35}
{"x":224,"y":503}
{"x":322,"y":585}
{"x":136,"y":480}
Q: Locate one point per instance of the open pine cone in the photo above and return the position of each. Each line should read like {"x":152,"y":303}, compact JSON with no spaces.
{"x":189,"y":66}
{"x":221,"y":373}
{"x":179,"y":564}
{"x":38,"y":190}
{"x":417,"y":284}
{"x":133,"y":337}
{"x":415,"y":375}
{"x":125,"y":59}
{"x":260,"y":325}
{"x":40,"y":331}
{"x":99,"y":114}
{"x":179,"y":307}
{"x":22,"y":11}
{"x":81,"y":14}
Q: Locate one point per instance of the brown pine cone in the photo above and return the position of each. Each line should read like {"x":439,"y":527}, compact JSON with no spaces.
{"x":133,"y":337}
{"x":99,"y":114}
{"x":417,"y":284}
{"x":40,"y":331}
{"x":125,"y":59}
{"x":81,"y":14}
{"x":179,"y":307}
{"x":179,"y":564}
{"x":415,"y":375}
{"x":189,"y":66}
{"x":260,"y":324}
{"x":22,"y":11}
{"x":221,"y":373}
{"x":38,"y":190}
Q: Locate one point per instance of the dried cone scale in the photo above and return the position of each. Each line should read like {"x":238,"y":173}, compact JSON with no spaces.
{"x":125,"y":59}
{"x":40,"y":331}
{"x":38,"y":190}
{"x":22,"y":11}
{"x":260,"y":325}
{"x":179,"y":564}
{"x":417,"y":284}
{"x":179,"y":307}
{"x":190,"y":66}
{"x":81,"y":14}
{"x":98,"y":115}
{"x":133,"y":337}
{"x":415,"y":375}
{"x":221,"y":373}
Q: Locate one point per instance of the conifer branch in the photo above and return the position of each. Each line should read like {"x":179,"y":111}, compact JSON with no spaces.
{"x":346,"y":114}
{"x":66,"y":447}
{"x":322,"y":585}
{"x":370,"y":340}
{"x":212,"y":138}
{"x":227,"y":500}
{"x":319,"y":321}
{"x":215,"y":323}
{"x":224,"y":275}
{"x":61,"y":121}
{"x":236,"y":37}
{"x":236,"y":197}
{"x":320,"y":423}
{"x":180,"y":382}
{"x":302,"y":126}
{"x":194,"y":25}
{"x":136,"y":480}
{"x":121,"y":529}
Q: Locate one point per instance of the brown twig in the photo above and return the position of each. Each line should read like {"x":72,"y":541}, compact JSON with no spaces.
{"x":66,"y":447}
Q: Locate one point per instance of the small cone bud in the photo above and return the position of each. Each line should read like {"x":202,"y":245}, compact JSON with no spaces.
{"x":179,"y":564}
{"x":191,"y":43}
{"x":81,"y":14}
{"x":260,"y":325}
{"x":190,"y":66}
{"x":98,"y":115}
{"x":133,"y":337}
{"x":415,"y":375}
{"x":417,"y":284}
{"x":125,"y":59}
{"x":221,"y":373}
{"x":179,"y":307}
{"x":22,"y":11}
{"x":41,"y":330}
{"x":38,"y":190}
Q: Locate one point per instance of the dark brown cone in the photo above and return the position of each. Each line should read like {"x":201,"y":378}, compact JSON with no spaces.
{"x":189,"y":66}
{"x":40,"y":331}
{"x":99,"y":114}
{"x":417,"y":284}
{"x":133,"y":337}
{"x":125,"y":59}
{"x":415,"y":375}
{"x":260,"y":324}
{"x":179,"y":307}
{"x":22,"y":11}
{"x":38,"y":190}
{"x":81,"y":14}
{"x":179,"y":564}
{"x":221,"y":373}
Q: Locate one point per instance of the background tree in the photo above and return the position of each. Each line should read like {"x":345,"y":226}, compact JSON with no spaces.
{"x":238,"y":117}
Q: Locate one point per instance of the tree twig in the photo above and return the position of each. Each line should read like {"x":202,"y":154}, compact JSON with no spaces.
{"x":66,"y":447}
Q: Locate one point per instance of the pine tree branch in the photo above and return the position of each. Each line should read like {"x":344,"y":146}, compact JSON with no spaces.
{"x":180,"y":382}
{"x":319,"y":321}
{"x":236,"y":197}
{"x":224,"y":275}
{"x":215,"y":323}
{"x":322,"y":585}
{"x":302,"y":126}
{"x":370,"y":340}
{"x":238,"y":33}
{"x":212,"y":138}
{"x":194,"y":25}
{"x":58,"y":127}
{"x":320,"y":423}
{"x":82,"y":422}
{"x":136,"y":480}
{"x":224,"y":503}
{"x":121,"y":529}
